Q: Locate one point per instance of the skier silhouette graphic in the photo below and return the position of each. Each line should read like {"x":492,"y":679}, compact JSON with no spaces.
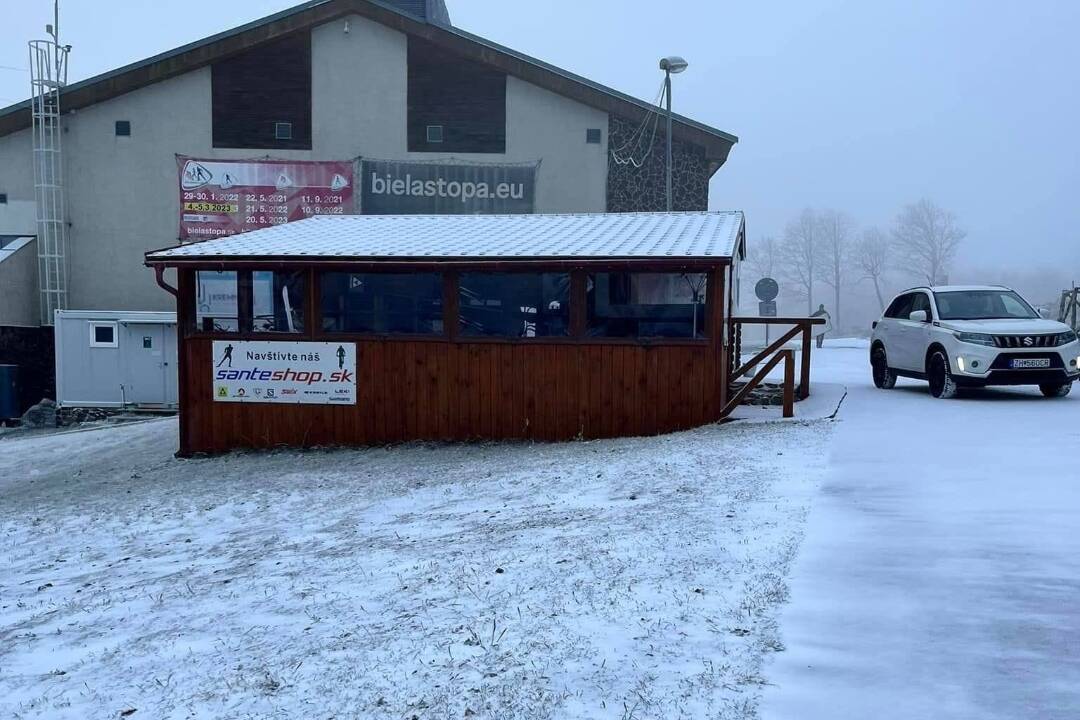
{"x":226,"y":356}
{"x":340,"y":357}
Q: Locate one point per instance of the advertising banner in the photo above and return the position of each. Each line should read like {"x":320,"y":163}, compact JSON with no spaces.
{"x":390,"y":187}
{"x":226,"y":197}
{"x":308,"y":373}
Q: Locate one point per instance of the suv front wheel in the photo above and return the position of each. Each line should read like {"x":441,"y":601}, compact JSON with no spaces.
{"x":1055,"y":390}
{"x":884,"y":376}
{"x":942,"y":385}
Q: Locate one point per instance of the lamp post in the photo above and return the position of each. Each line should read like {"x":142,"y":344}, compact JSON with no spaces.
{"x":672,"y":65}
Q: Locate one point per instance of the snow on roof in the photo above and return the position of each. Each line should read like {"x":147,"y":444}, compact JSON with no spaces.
{"x":621,"y":235}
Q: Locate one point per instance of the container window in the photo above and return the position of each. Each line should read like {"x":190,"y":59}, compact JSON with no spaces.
{"x":278,"y":301}
{"x":216,"y":301}
{"x":103,"y":335}
{"x":641,"y":305}
{"x":514,"y":305}
{"x":382,"y":303}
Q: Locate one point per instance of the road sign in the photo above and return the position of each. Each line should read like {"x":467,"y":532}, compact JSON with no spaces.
{"x":766,"y":290}
{"x":767,"y":308}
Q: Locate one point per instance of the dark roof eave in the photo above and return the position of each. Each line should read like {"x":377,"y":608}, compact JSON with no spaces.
{"x":306,"y":260}
{"x":717,"y":143}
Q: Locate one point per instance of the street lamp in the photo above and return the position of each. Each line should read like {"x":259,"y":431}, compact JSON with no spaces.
{"x":672,"y":65}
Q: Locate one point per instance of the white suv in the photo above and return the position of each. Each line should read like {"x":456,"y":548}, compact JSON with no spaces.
{"x":972,"y":336}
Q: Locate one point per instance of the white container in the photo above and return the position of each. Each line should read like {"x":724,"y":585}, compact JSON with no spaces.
{"x":113,"y":359}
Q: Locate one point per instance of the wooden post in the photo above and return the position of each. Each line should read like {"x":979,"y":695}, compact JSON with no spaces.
{"x":450,"y":306}
{"x":804,"y":379}
{"x":789,"y":383}
{"x":719,"y":330}
{"x":245,"y":301}
{"x":185,"y":324}
{"x":578,"y":299}
{"x":313,"y":313}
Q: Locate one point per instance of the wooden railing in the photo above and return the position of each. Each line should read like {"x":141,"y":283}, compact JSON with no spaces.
{"x":778,"y":353}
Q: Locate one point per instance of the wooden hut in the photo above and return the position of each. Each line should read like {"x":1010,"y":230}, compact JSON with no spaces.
{"x":359,"y":330}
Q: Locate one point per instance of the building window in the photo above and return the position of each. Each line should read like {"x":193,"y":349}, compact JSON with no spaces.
{"x":382,"y":303}
{"x":466,"y":99}
{"x":3,"y":198}
{"x":103,"y":335}
{"x":514,"y":305}
{"x":283,"y":131}
{"x":256,"y":92}
{"x":216,"y":301}
{"x":434,"y":133}
{"x":592,"y":136}
{"x":123,"y":128}
{"x":278,"y":300}
{"x":643,"y":305}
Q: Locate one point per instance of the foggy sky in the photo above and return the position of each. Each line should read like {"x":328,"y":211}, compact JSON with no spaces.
{"x":856,"y":105}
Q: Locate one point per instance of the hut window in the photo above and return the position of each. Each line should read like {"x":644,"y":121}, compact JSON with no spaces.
{"x":382,"y":303}
{"x":215,"y":301}
{"x":516,"y":305}
{"x":646,"y":305}
{"x":278,"y":301}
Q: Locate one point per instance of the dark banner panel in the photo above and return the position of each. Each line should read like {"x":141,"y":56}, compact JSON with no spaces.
{"x":426,"y":188}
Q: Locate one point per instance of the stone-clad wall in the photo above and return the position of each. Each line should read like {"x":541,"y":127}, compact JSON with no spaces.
{"x":644,"y":189}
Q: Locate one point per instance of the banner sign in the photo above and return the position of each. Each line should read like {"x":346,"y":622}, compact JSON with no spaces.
{"x":427,"y":188}
{"x":226,"y":197}
{"x":309,"y":373}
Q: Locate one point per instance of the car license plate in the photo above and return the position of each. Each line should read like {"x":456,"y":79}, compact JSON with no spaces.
{"x":1018,"y":364}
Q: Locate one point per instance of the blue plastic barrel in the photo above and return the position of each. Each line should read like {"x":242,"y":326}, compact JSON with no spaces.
{"x":9,"y":392}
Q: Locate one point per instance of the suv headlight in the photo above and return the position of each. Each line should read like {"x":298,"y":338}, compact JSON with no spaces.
{"x":976,"y":338}
{"x":1065,"y":338}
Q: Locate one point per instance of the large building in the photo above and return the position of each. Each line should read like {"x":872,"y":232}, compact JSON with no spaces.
{"x":390,"y":90}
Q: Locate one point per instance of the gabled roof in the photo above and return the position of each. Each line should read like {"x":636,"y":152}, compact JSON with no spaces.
{"x":716,"y":143}
{"x":601,"y":236}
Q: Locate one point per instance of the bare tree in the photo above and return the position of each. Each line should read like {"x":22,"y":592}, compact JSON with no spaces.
{"x":763,"y":258}
{"x":926,"y":238}
{"x":797,"y":255}
{"x":835,"y":234}
{"x":872,"y":259}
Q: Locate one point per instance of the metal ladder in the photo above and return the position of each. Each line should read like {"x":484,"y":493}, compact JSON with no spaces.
{"x":48,"y":76}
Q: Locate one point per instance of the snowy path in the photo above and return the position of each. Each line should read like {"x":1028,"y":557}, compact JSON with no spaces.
{"x":635,"y":578}
{"x":940,"y":575}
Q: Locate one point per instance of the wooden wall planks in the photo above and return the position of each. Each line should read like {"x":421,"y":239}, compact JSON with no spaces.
{"x":422,"y":390}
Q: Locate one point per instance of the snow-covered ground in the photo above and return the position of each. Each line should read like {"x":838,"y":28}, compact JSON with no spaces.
{"x":940,"y":575}
{"x":630,"y":579}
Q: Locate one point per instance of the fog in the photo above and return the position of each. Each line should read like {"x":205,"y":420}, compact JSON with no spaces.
{"x":854,"y":106}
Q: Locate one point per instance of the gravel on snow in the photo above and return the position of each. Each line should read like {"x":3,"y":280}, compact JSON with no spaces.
{"x":632,"y":579}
